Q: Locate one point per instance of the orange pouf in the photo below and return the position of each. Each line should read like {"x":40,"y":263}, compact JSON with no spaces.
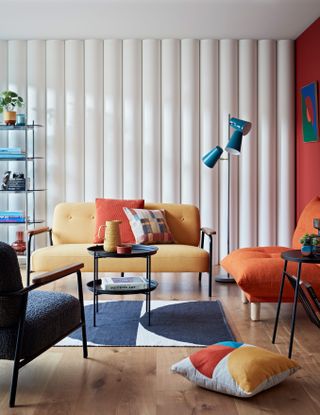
{"x":258,"y":270}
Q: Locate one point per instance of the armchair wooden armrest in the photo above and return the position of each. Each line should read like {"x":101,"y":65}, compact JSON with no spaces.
{"x":45,"y":278}
{"x":56,"y":274}
{"x":39,"y":230}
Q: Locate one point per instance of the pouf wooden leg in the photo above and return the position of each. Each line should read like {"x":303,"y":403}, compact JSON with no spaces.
{"x":255,"y":311}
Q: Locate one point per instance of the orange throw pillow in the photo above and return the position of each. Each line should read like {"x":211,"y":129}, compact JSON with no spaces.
{"x":111,"y":209}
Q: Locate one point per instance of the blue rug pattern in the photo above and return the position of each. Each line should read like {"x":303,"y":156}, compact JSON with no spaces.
{"x":173,"y":323}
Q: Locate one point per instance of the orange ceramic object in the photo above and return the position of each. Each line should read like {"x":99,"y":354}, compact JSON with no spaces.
{"x":124,"y":249}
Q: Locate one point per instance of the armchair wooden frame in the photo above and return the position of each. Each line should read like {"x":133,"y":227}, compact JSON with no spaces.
{"x":39,"y":281}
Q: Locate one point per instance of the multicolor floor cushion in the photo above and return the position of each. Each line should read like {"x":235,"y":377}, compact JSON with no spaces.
{"x":237,"y":369}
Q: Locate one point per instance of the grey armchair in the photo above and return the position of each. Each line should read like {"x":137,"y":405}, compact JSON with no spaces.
{"x":33,"y":321}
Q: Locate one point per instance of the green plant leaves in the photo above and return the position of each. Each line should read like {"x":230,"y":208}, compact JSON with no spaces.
{"x":9,"y":100}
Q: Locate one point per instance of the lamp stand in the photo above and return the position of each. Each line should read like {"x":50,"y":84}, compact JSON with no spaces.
{"x":227,"y":278}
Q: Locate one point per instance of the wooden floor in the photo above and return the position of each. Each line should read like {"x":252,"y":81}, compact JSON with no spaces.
{"x":137,"y":381}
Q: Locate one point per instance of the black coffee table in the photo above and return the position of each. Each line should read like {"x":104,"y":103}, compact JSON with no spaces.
{"x":138,"y":251}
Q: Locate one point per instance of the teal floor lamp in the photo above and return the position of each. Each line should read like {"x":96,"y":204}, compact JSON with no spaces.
{"x":233,"y":148}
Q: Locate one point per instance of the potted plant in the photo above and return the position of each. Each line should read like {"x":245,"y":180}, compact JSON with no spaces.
{"x":9,"y":100}
{"x":309,"y":242}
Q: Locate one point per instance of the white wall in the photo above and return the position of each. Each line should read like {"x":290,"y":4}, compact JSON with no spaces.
{"x":132,"y":119}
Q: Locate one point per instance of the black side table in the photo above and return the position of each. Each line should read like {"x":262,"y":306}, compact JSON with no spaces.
{"x":138,"y":251}
{"x":292,"y":256}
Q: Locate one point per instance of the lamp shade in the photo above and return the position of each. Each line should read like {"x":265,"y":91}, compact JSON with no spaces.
{"x":212,"y":157}
{"x":240,"y":125}
{"x":234,"y":145}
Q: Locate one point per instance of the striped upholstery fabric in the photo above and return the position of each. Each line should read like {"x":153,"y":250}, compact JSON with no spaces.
{"x":149,"y":226}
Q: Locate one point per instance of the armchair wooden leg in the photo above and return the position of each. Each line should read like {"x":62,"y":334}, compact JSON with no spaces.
{"x":255,"y":309}
{"x":83,"y":319}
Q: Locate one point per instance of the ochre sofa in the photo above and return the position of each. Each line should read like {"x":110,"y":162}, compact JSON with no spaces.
{"x":73,"y":232}
{"x":258,"y":271}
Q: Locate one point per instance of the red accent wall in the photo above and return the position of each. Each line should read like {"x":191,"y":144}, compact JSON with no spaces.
{"x":307,"y":154}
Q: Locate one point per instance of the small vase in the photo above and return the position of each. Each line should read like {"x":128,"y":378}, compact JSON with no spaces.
{"x":19,"y":245}
{"x":111,"y":235}
{"x":307,"y":250}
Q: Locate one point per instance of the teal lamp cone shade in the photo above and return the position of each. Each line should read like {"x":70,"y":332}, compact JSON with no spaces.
{"x":234,"y":145}
{"x":212,"y":157}
{"x":240,"y":125}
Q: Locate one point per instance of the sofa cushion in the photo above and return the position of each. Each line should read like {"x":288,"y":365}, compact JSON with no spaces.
{"x":169,"y":258}
{"x":258,"y":272}
{"x":149,"y":226}
{"x":111,"y":209}
{"x":305,"y":222}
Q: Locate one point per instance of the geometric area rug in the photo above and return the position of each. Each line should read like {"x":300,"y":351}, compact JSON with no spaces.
{"x":173,"y":323}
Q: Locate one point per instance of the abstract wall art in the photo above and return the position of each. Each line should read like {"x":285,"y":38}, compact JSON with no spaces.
{"x":309,"y":105}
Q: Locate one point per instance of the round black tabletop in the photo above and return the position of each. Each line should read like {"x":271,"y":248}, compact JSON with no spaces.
{"x":137,"y":251}
{"x":295,"y":255}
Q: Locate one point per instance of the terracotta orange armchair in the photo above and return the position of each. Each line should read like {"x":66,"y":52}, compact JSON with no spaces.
{"x":258,"y":270}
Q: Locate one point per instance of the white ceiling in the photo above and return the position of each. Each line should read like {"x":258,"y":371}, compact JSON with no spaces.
{"x":83,"y":19}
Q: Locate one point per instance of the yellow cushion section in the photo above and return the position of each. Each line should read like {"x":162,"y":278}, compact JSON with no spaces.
{"x":75,"y":222}
{"x":251,"y":366}
{"x":169,"y":258}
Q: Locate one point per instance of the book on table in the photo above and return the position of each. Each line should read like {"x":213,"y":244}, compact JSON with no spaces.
{"x":124,"y":283}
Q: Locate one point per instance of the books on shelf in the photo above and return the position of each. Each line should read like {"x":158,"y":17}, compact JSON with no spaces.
{"x":124,"y":283}
{"x":18,"y":184}
{"x":11,"y":152}
{"x":12,"y":216}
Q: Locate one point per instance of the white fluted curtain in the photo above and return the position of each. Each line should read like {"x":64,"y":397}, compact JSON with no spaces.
{"x":132,"y":118}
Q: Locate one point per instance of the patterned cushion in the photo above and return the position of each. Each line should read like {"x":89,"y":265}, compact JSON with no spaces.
{"x":111,"y":209}
{"x":149,"y":226}
{"x":237,"y":369}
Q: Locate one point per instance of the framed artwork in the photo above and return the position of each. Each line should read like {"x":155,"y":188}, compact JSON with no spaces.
{"x":309,"y":105}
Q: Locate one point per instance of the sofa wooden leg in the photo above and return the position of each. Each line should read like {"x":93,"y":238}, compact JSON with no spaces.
{"x":244,"y":298}
{"x":255,"y":311}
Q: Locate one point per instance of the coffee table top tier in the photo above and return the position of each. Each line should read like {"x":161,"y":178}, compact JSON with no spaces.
{"x":296,"y":256}
{"x":137,"y":251}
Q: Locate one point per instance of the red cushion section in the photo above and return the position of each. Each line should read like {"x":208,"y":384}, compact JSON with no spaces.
{"x":111,"y":209}
{"x":206,"y":360}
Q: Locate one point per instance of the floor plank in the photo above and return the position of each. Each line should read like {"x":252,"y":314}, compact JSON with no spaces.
{"x":137,"y":381}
